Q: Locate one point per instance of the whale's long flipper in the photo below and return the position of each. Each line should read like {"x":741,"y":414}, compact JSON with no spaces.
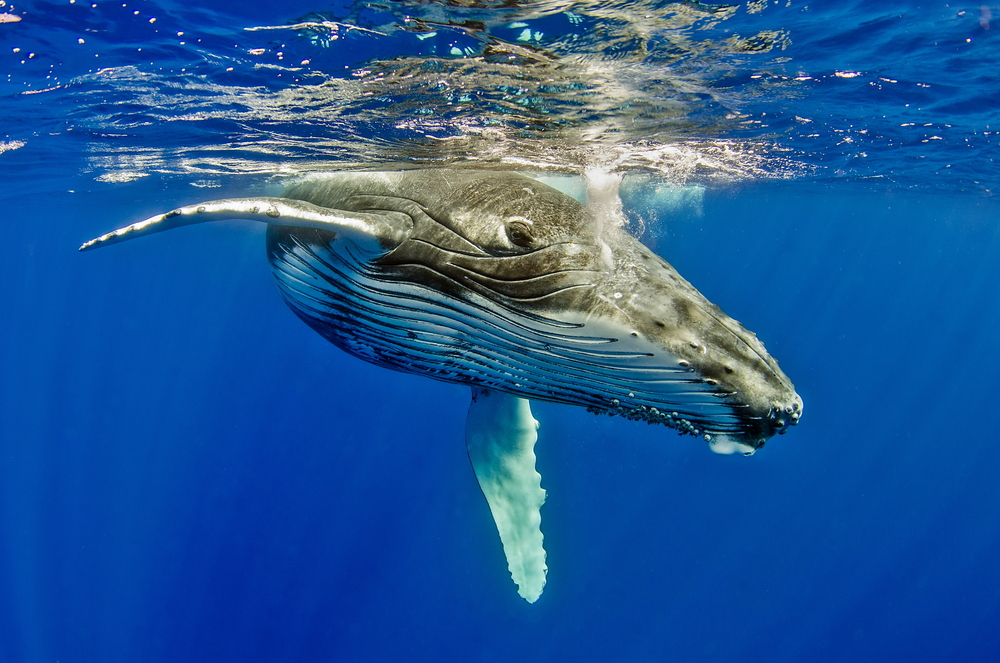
{"x":500,"y":435}
{"x":376,"y":232}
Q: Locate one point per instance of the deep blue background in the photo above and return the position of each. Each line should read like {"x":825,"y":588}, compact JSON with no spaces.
{"x":188,"y":473}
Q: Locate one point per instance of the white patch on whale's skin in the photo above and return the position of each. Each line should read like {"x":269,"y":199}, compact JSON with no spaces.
{"x":726,"y":446}
{"x":500,"y":435}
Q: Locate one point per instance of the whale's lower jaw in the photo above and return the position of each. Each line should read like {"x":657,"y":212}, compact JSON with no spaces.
{"x":412,"y":328}
{"x":721,"y":441}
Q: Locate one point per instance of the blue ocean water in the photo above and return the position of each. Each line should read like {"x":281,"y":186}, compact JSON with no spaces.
{"x":188,"y":473}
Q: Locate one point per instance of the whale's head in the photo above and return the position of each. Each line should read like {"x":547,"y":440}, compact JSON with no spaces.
{"x":497,"y":280}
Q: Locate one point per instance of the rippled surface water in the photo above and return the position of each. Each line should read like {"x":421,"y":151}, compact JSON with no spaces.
{"x":898,"y":93}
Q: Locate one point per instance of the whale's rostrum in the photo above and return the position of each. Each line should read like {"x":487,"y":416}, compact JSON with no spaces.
{"x":500,"y":282}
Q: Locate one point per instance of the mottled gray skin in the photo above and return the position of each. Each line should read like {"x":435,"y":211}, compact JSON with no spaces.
{"x":531,"y":251}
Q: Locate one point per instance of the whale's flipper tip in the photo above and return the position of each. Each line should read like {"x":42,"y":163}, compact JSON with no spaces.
{"x":98,"y":242}
{"x":151,"y":225}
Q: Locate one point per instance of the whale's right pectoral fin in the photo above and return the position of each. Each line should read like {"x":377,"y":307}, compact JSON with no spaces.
{"x":500,"y":435}
{"x":377,"y":232}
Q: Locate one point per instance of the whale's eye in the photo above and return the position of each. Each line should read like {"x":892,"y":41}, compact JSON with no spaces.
{"x":519,"y":234}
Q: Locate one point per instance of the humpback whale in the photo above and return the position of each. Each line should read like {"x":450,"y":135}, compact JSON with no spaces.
{"x":500,"y":282}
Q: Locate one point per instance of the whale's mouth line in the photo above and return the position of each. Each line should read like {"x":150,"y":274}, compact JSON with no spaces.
{"x":491,"y":272}
{"x":482,"y":254}
{"x":489,"y":258}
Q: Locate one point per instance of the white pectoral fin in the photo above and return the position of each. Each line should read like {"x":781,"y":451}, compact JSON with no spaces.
{"x":500,"y":435}
{"x":377,"y":232}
